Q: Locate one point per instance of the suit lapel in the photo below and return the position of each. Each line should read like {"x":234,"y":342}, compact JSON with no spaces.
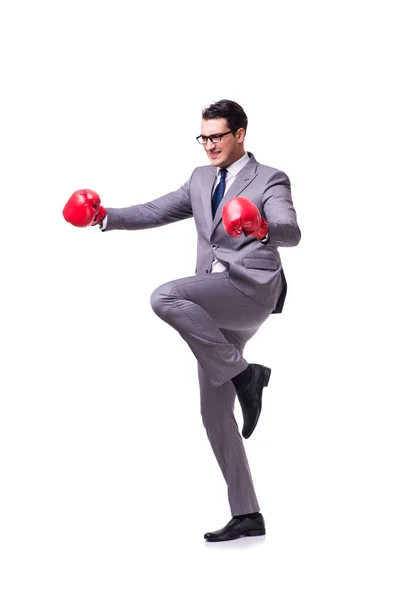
{"x":206,"y":193}
{"x":243,"y":179}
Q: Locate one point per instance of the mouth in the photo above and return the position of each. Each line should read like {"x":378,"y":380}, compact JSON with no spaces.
{"x":214,"y":154}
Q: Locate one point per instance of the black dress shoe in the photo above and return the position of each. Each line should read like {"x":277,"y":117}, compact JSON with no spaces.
{"x":237,"y":527}
{"x":250,"y":398}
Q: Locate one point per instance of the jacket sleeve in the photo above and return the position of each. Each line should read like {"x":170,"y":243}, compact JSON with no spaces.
{"x":279,"y":211}
{"x":172,"y":207}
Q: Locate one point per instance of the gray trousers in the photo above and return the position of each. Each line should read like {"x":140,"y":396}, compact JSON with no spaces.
{"x":216,"y":320}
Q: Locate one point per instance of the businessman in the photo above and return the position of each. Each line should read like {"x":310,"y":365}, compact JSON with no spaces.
{"x":243,"y":213}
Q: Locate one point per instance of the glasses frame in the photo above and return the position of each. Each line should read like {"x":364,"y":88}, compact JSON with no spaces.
{"x":208,"y":137}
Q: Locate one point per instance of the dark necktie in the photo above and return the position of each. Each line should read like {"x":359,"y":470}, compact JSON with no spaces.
{"x":219,"y":192}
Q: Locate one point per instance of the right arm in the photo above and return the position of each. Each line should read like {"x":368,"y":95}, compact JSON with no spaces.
{"x":172,"y":207}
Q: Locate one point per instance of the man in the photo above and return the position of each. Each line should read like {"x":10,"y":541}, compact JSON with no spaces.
{"x":238,"y":283}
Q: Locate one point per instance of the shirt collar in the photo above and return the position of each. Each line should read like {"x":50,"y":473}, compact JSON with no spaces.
{"x":237,"y":166}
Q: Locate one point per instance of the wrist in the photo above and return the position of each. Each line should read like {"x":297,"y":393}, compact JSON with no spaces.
{"x":100,"y":215}
{"x":262,"y":231}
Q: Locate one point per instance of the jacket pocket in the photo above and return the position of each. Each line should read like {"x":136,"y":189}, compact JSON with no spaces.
{"x":267,"y":264}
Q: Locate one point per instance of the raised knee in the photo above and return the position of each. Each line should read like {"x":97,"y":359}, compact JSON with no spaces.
{"x":155,"y":300}
{"x":159,"y":301}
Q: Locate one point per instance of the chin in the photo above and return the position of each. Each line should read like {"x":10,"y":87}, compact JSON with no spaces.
{"x":218,"y":162}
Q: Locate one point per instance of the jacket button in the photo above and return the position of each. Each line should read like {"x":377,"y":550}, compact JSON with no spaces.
{"x":214,"y":246}
{"x":206,"y":270}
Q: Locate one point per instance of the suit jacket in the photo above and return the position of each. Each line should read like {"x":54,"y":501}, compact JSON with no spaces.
{"x":254,"y":268}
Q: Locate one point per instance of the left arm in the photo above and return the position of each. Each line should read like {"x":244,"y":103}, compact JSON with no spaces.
{"x":279,"y":211}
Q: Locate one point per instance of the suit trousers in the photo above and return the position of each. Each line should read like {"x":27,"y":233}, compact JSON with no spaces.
{"x":216,"y":320}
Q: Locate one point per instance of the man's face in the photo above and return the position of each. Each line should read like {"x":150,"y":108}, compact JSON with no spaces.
{"x":229,"y":149}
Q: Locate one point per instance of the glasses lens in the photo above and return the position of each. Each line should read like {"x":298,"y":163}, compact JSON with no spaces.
{"x":201,"y":140}
{"x":215,"y":139}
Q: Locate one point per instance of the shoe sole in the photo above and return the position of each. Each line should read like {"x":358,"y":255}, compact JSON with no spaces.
{"x":256,"y":532}
{"x":248,"y":534}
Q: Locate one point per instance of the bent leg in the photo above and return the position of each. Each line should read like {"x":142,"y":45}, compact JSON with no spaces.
{"x":198,"y":307}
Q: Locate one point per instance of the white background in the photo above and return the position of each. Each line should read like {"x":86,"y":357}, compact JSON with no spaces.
{"x":107,"y":479}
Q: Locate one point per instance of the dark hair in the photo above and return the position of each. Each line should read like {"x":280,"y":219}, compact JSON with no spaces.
{"x":229,"y":110}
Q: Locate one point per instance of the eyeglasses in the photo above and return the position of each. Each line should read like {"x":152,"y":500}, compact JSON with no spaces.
{"x":214,"y":139}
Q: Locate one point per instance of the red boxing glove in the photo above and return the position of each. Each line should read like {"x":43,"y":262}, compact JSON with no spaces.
{"x":240,"y":215}
{"x":84,"y":209}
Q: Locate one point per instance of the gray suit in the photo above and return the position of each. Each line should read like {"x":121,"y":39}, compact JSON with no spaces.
{"x":217,"y":313}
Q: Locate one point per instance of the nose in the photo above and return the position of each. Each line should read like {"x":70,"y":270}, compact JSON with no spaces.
{"x":211,"y":146}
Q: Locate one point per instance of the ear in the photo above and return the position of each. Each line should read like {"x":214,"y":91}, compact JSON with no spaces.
{"x":240,"y":134}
